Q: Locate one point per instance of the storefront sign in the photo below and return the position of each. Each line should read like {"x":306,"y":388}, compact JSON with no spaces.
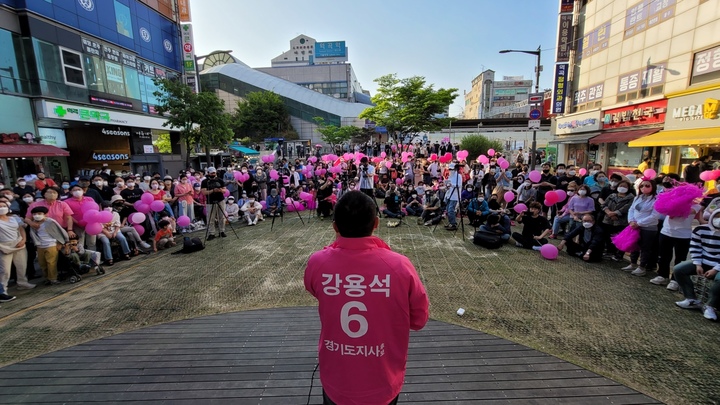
{"x":184,"y":10}
{"x":707,"y":61}
{"x":589,"y":94}
{"x":53,"y":137}
{"x":109,"y":156}
{"x":142,"y":133}
{"x":109,"y":102}
{"x":188,"y":48}
{"x":596,"y":41}
{"x":74,"y":112}
{"x":576,"y":123}
{"x":636,"y":115}
{"x":148,"y":149}
{"x":694,"y":111}
{"x":649,"y":76}
{"x":565,"y":37}
{"x":111,"y":54}
{"x":566,"y":6}
{"x":646,"y":14}
{"x":129,"y":60}
{"x":558,"y":104}
{"x":116,"y":131}
{"x":91,"y":47}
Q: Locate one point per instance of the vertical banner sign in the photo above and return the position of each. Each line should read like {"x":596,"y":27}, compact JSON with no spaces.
{"x":184,"y":10}
{"x":560,"y":88}
{"x":566,"y":6}
{"x":565,"y":37}
{"x":188,"y":48}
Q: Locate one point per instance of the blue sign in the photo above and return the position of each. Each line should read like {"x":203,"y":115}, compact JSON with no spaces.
{"x":560,"y":90}
{"x":334,"y":49}
{"x":535,"y":114}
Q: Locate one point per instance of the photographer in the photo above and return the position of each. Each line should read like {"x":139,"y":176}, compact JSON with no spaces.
{"x":274,"y":204}
{"x":213,"y":188}
{"x":431,"y":210}
{"x":393,"y":204}
{"x":324,"y":196}
{"x":413,"y":204}
{"x":366,"y":173}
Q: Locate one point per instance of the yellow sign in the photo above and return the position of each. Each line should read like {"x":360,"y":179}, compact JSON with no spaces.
{"x":711,"y":109}
{"x":184,"y":10}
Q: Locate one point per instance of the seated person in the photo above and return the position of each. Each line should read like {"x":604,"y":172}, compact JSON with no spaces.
{"x":432,"y":211}
{"x":79,"y":256}
{"x":535,"y":228}
{"x":232,"y":210}
{"x":494,"y":225}
{"x":526,"y":193}
{"x":466,"y":196}
{"x":393,"y":203}
{"x":164,"y":237}
{"x":591,"y":245}
{"x":252,"y":210}
{"x":413,"y":205}
{"x":273,"y":202}
{"x":478,"y":210}
{"x":111,"y":231}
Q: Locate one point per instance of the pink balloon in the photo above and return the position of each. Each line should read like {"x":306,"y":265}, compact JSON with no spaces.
{"x":398,"y":181}
{"x":94,"y":228}
{"x":535,"y":176}
{"x":263,"y":204}
{"x":147,"y":198}
{"x":313,"y":159}
{"x":318,"y":172}
{"x":274,"y":174}
{"x":650,"y":174}
{"x":503,"y":163}
{"x":226,"y":193}
{"x":549,"y":251}
{"x":183,"y":221}
{"x":547,"y":203}
{"x":551,"y":197}
{"x":305,"y":196}
{"x":377,"y":159}
{"x":393,"y":147}
{"x":519,"y":208}
{"x":157,"y":206}
{"x":509,"y":196}
{"x":137,"y":218}
{"x":144,"y":208}
{"x":491,"y":152}
{"x":83,"y":223}
{"x":104,"y":217}
{"x":238,"y":176}
{"x":388,"y":164}
{"x":483,"y":159}
{"x":462,"y":155}
{"x":433,"y":157}
{"x":139,"y":228}
{"x":404,"y":159}
{"x":89,"y":206}
{"x":704,"y":176}
{"x":90,"y":216}
{"x":562,"y":195}
{"x":582,"y":171}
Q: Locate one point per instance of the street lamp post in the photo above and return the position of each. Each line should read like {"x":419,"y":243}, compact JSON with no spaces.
{"x":538,"y":68}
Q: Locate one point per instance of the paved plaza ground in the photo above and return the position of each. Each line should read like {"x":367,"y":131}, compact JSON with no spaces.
{"x":593,"y":315}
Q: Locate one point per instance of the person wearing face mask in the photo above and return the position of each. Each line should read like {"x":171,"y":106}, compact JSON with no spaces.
{"x":111,"y":231}
{"x":59,"y":211}
{"x":601,"y":181}
{"x":131,"y":193}
{"x":21,"y":188}
{"x":145,"y":184}
{"x":432,"y":210}
{"x":466,"y":196}
{"x":214,"y":190}
{"x":98,"y":184}
{"x":642,"y":215}
{"x":91,"y":192}
{"x":156,"y":189}
{"x":232,"y":210}
{"x":610,"y":188}
{"x":65,"y":191}
{"x":547,"y":183}
{"x":231,"y":184}
{"x":478,"y":210}
{"x":526,"y":192}
{"x":578,"y":205}
{"x":535,"y":228}
{"x":413,"y":205}
{"x":489,"y":181}
{"x":273,"y":202}
{"x":12,"y":251}
{"x":498,"y":224}
{"x":261,"y":179}
{"x":704,"y":262}
{"x":183,"y":193}
{"x":591,"y":241}
{"x":75,"y":203}
{"x":49,"y":237}
{"x":199,"y":204}
{"x":119,"y":186}
{"x":252,"y":210}
{"x":615,"y":209}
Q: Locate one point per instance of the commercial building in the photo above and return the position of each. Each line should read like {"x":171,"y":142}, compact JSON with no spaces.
{"x":648,"y":71}
{"x":489,"y":98}
{"x":76,"y":80}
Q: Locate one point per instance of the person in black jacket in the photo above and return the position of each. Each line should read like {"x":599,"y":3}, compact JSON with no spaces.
{"x":591,"y":243}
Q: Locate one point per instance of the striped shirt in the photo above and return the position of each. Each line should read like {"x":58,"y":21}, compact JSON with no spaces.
{"x":705,"y":247}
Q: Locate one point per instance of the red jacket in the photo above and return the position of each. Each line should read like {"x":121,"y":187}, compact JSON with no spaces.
{"x":369,"y":299}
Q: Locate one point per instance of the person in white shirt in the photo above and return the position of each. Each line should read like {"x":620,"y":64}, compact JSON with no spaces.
{"x":252,"y":210}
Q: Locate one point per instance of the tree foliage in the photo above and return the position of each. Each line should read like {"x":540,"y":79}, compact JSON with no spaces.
{"x":477,"y":145}
{"x":335,"y":135}
{"x":409,"y":106}
{"x":200,"y":118}
{"x":163,"y":143}
{"x":260,"y":115}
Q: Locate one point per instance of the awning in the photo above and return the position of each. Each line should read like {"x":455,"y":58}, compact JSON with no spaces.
{"x":623,"y":136}
{"x":680,"y":137}
{"x":30,"y":150}
{"x":245,"y":150}
{"x":582,"y":138}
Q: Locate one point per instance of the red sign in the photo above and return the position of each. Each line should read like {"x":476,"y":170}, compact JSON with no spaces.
{"x":10,"y":138}
{"x":187,"y":47}
{"x":635,"y":115}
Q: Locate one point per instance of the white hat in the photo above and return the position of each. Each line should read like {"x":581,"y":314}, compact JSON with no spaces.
{"x":211,"y":170}
{"x":116,"y":198}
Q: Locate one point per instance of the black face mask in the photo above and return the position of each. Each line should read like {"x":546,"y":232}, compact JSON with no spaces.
{"x":546,"y":171}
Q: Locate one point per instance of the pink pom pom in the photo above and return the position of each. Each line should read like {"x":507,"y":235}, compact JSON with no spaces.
{"x":627,"y":240}
{"x":678,"y":201}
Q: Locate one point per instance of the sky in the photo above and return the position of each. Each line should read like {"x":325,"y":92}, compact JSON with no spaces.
{"x":448,"y":42}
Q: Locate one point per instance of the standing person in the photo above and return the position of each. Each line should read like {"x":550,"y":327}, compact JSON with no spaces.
{"x":75,"y":203}
{"x":535,"y":228}
{"x":642,"y":215}
{"x":214,"y":189}
{"x":675,"y":236}
{"x":452,"y":196}
{"x":183,"y":193}
{"x":230,"y":183}
{"x":366,"y":173}
{"x":12,"y":251}
{"x":49,"y":237}
{"x":616,"y":207}
{"x":382,"y":290}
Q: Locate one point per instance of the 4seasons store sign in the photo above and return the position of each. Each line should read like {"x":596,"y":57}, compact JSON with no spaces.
{"x":74,"y":112}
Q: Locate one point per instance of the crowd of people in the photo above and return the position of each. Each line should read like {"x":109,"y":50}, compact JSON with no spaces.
{"x":432,"y":182}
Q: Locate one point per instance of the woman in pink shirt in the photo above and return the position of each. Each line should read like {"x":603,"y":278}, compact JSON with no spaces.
{"x":75,"y":203}
{"x":57,"y":210}
{"x":184,"y":194}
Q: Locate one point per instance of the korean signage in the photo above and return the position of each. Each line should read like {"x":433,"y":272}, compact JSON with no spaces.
{"x":566,"y":6}
{"x":91,"y":47}
{"x":111,"y":54}
{"x":184,"y":10}
{"x":707,"y":61}
{"x":75,"y":112}
{"x":646,"y":14}
{"x":576,"y":123}
{"x":589,"y":94}
{"x":649,"y":76}
{"x":330,"y":49}
{"x":694,"y":111}
{"x":565,"y":37}
{"x":635,"y":115}
{"x":515,"y":83}
{"x":595,"y":41}
{"x":560,"y":88}
{"x":188,"y":48}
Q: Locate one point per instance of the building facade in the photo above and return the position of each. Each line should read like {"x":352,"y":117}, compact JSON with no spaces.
{"x":490,"y":98}
{"x":77,"y":80}
{"x":650,"y":70}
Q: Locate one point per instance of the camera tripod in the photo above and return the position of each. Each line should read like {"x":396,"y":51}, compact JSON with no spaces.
{"x":282,"y":212}
{"x":216,"y":206}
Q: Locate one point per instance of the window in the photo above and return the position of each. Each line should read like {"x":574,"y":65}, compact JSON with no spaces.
{"x":94,"y":70}
{"x":72,"y":68}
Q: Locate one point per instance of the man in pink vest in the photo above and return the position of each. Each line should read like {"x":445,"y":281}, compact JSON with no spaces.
{"x":369,"y":299}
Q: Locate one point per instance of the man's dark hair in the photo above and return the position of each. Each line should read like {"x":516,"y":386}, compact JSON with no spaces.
{"x":355,"y":215}
{"x":163,"y":223}
{"x":39,"y":210}
{"x":493,"y":219}
{"x":535,"y":205}
{"x":364,"y":160}
{"x":616,"y":176}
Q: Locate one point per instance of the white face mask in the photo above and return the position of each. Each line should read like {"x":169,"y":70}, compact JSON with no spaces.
{"x":571,"y":172}
{"x":571,"y":193}
{"x":251,"y":201}
{"x":38,"y":217}
{"x":99,"y":184}
{"x":28,"y":199}
{"x":582,"y":192}
{"x":65,"y":186}
{"x":4,"y":210}
{"x":146,"y":178}
{"x":622,"y":190}
{"x":131,"y":184}
{"x":561,"y":171}
{"x":77,"y":193}
{"x":155,"y":186}
{"x":22,"y":183}
{"x":481,"y":199}
{"x":119,"y":184}
{"x":613,"y":184}
{"x":10,"y":197}
{"x":104,"y":183}
{"x":587,"y":225}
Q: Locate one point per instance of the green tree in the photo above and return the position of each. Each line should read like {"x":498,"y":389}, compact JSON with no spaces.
{"x":260,"y":115}
{"x":409,"y":106}
{"x":477,"y":145}
{"x":335,"y":135}
{"x":215,"y":126}
{"x":163,"y":143}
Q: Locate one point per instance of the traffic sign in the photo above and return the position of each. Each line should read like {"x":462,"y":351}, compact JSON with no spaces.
{"x":534,"y":124}
{"x":535,"y":114}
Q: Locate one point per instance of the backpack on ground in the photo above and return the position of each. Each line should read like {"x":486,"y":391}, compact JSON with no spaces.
{"x":488,"y":240}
